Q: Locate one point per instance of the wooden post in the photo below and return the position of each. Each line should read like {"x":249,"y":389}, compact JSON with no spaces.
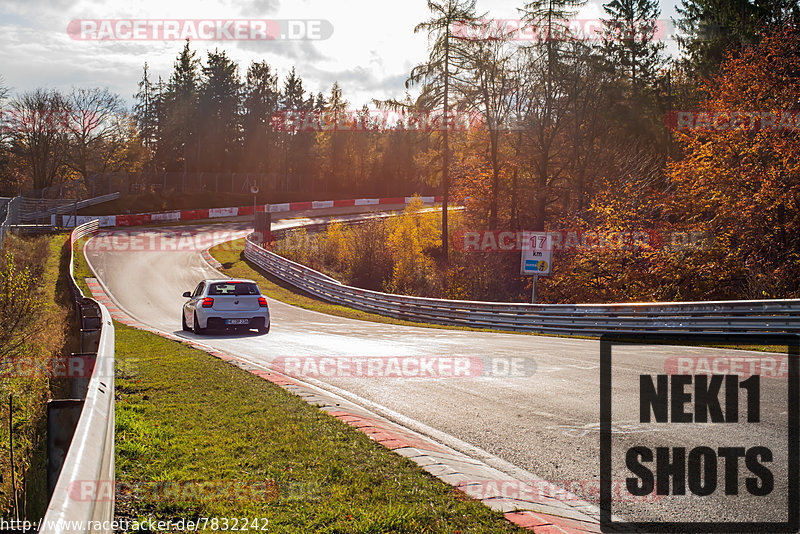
{"x":11,"y":452}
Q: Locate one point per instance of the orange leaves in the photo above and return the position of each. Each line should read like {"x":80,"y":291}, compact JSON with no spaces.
{"x":740,"y":183}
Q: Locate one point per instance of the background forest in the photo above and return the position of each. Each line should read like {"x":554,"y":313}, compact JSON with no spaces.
{"x":575,"y":136}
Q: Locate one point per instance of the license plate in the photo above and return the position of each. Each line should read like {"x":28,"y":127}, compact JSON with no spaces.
{"x":237,"y":321}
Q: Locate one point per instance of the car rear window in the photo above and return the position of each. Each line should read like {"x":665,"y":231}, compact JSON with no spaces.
{"x":233,"y":288}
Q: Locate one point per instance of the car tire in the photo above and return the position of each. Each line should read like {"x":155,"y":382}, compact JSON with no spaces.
{"x":184,"y":326}
{"x":264,"y":329}
{"x":196,"y":326}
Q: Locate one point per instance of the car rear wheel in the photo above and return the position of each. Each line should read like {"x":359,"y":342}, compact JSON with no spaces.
{"x":264,"y":329}
{"x":183,"y":323}
{"x":197,"y":329}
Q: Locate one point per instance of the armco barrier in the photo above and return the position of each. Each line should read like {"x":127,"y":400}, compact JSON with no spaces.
{"x":727,"y":317}
{"x":9,"y":216}
{"x":33,"y":209}
{"x":137,"y":219}
{"x":91,"y":452}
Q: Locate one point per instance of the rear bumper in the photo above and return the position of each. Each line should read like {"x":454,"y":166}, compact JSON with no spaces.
{"x":209,"y":318}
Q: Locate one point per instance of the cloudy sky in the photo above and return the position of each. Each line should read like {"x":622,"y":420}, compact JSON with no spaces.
{"x":370,"y":51}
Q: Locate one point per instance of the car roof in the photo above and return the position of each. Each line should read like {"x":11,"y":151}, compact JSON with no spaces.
{"x":228,"y":280}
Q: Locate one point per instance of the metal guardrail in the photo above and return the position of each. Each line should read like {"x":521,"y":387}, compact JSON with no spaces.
{"x":719,"y":317}
{"x":90,"y":459}
{"x":83,"y":494}
{"x":361,"y":219}
{"x":3,"y":214}
{"x":9,"y":215}
{"x":48,"y":207}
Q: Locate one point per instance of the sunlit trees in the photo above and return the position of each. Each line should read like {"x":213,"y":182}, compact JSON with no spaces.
{"x":332,"y":145}
{"x":546,"y":65}
{"x":19,"y":308}
{"x":39,"y":130}
{"x":56,"y":138}
{"x":297,"y":146}
{"x":488,"y":88}
{"x":741,"y":185}
{"x":145,"y":110}
{"x":8,"y":175}
{"x":435,"y":76}
{"x":410,"y":236}
{"x":572,"y":135}
{"x":97,"y":134}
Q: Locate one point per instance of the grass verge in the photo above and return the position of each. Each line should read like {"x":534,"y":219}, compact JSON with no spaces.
{"x":183,"y":415}
{"x":33,"y":342}
{"x":81,"y":269}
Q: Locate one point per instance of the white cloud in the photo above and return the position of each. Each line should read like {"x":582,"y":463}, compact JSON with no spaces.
{"x":370,"y":52}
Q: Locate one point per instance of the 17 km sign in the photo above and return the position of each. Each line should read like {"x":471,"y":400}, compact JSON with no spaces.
{"x":537,"y":253}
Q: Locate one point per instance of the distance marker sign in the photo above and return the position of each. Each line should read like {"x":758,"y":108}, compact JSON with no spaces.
{"x":537,"y":253}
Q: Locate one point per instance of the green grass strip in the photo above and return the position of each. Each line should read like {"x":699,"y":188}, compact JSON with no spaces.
{"x":184,"y":415}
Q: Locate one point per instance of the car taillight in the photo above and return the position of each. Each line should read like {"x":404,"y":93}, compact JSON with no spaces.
{"x":208,"y":302}
{"x":262,"y":302}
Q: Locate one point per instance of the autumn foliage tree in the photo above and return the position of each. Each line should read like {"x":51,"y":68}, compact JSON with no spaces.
{"x":741,"y":185}
{"x":729,"y":212}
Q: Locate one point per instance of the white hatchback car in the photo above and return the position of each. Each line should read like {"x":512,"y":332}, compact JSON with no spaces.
{"x":224,"y":304}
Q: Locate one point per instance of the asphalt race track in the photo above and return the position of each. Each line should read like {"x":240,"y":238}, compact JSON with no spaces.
{"x":545,"y":421}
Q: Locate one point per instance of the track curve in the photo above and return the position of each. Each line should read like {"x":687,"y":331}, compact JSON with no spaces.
{"x":547,"y":422}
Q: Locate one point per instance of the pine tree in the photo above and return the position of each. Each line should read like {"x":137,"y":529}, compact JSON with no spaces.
{"x":547,"y":64}
{"x":711,"y":27}
{"x":319,"y":102}
{"x":436,"y":76}
{"x":180,"y":110}
{"x":332,"y":144}
{"x":260,"y":104}
{"x":219,"y":100}
{"x":144,"y":111}
{"x":628,"y":40}
{"x":293,"y":92}
{"x":297,"y":145}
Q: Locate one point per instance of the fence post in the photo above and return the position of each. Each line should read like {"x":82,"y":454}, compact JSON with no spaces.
{"x":62,"y":419}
